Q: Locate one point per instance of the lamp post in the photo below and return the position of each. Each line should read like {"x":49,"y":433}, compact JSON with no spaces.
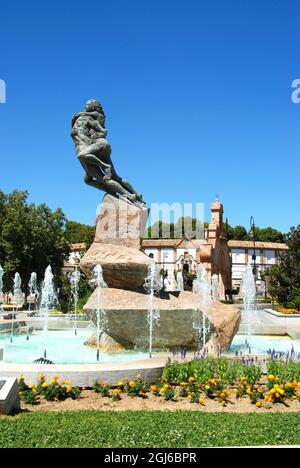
{"x":252,"y":237}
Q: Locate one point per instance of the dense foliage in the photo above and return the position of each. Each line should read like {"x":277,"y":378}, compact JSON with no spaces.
{"x":78,"y":233}
{"x":284,"y":279}
{"x":161,"y":230}
{"x":31,"y":238}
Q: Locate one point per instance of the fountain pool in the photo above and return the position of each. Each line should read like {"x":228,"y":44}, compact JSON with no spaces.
{"x":260,"y":344}
{"x":63,"y":347}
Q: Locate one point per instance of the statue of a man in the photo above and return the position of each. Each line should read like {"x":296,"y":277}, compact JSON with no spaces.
{"x":94,"y":153}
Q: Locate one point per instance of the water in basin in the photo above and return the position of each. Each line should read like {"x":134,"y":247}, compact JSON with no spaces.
{"x":63,"y":347}
{"x":260,"y":344}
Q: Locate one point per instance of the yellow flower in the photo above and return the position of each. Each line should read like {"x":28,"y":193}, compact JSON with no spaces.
{"x":207,"y":387}
{"x":258,"y":404}
{"x":222,"y":395}
{"x":183,"y":384}
{"x":189,"y":397}
{"x":131,"y":383}
{"x":153,"y":388}
{"x":162,"y":390}
{"x":202,"y":401}
{"x":223,"y":403}
{"x":271,"y":377}
{"x":31,"y":385}
{"x":69,"y":389}
{"x":34,"y":391}
{"x":56,"y":387}
{"x":277,"y":395}
{"x":167,"y":386}
{"x":42,"y":377}
{"x":45,"y":385}
{"x":116,"y":391}
{"x":63,"y":382}
{"x":138,"y":376}
{"x":191,"y":379}
{"x":55,"y":399}
{"x":120,"y":383}
{"x":281,"y":391}
{"x":20,"y":393}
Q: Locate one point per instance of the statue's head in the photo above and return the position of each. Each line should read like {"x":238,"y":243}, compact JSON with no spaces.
{"x":93,"y":106}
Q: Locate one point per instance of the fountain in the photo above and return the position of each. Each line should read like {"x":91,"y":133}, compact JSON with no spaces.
{"x":180,"y":281}
{"x":215,"y":287}
{"x":74,"y":280}
{"x":1,"y":288}
{"x":152,"y":285}
{"x":101,"y":322}
{"x":33,"y":290}
{"x":18,"y":300}
{"x":48,"y":300}
{"x":203,"y":289}
{"x":248,"y":290}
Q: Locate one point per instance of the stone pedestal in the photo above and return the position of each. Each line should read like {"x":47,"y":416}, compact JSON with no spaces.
{"x":126,"y":313}
{"x":9,"y":395}
{"x":117,"y":244}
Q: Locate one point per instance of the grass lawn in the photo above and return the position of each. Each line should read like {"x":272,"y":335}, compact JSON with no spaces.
{"x":148,"y":429}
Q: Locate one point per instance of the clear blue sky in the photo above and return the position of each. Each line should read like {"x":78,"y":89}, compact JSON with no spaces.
{"x":197,"y":96}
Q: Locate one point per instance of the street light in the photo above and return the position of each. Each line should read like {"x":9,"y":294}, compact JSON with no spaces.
{"x":252,"y":236}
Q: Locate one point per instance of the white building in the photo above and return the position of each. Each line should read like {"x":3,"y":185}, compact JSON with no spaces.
{"x":241,"y":252}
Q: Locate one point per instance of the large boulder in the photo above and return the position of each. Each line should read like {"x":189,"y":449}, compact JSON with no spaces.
{"x":179,"y":324}
{"x":117,"y":245}
{"x":123,"y":267}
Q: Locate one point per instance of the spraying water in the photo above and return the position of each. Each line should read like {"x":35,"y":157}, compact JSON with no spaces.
{"x":248,"y":290}
{"x":180,"y":281}
{"x":98,"y":282}
{"x":33,"y":289}
{"x":18,"y":300}
{"x":215,"y":287}
{"x":203,"y":289}
{"x":48,"y":300}
{"x":1,"y":288}
{"x":74,"y":280}
{"x":152,"y":285}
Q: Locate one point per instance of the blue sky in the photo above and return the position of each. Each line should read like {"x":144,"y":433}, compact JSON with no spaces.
{"x":197,"y":96}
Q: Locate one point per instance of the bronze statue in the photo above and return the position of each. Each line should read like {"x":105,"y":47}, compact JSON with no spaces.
{"x":94,"y":153}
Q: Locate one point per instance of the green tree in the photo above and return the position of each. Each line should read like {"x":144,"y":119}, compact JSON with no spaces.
{"x":31,"y":238}
{"x":77,"y":233}
{"x":284,"y":279}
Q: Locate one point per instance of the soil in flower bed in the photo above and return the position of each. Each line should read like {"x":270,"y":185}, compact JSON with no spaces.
{"x":90,"y":400}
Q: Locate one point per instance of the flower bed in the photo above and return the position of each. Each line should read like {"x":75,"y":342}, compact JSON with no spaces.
{"x":197,"y":382}
{"x":287,"y":311}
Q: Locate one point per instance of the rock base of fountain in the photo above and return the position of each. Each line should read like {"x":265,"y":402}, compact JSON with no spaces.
{"x":107,"y":344}
{"x":117,"y":245}
{"x":117,"y":249}
{"x":126,"y":313}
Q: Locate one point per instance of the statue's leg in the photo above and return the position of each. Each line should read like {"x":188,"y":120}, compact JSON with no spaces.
{"x":95,"y":178}
{"x":128,"y":187}
{"x":96,"y":184}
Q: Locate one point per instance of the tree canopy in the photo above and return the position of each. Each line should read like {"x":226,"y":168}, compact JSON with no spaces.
{"x":31,"y":238}
{"x":77,"y":233}
{"x":161,"y":230}
{"x":284,"y":279}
